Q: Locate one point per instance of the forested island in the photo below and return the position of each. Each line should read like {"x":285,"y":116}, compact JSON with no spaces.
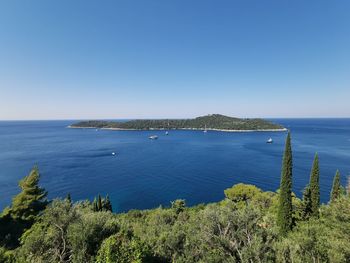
{"x":209,"y":122}
{"x":248,"y":225}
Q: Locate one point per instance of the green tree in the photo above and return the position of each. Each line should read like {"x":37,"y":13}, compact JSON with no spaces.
{"x":178,"y":205}
{"x":99,"y":203}
{"x":66,"y":233}
{"x":107,"y":205}
{"x":335,"y":193}
{"x":284,"y":213}
{"x":124,"y":249}
{"x":306,"y":204}
{"x":69,"y":198}
{"x":242,"y":193}
{"x":315,"y":187}
{"x":31,"y":200}
{"x":24,"y":209}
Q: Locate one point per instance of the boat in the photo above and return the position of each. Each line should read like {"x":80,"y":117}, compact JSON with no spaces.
{"x":167,"y":133}
{"x":113,"y":153}
{"x":269,"y":140}
{"x":153,"y":137}
{"x":205,"y":129}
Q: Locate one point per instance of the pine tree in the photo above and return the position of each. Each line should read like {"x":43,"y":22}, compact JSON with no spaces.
{"x":31,"y":200}
{"x":25,"y":208}
{"x":335,"y":193}
{"x":315,"y":186}
{"x":284,"y":216}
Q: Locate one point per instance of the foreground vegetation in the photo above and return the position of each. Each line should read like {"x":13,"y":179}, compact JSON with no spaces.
{"x":249,"y":225}
{"x":213,"y":121}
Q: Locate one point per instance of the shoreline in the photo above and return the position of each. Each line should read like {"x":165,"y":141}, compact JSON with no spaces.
{"x":190,"y":129}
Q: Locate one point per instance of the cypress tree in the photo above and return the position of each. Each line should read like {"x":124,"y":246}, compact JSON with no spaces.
{"x":107,"y":204}
{"x":335,"y":193}
{"x":94,"y":205}
{"x":284,"y":214}
{"x":99,"y":203}
{"x":306,"y":205}
{"x":315,"y":187}
{"x":69,"y":198}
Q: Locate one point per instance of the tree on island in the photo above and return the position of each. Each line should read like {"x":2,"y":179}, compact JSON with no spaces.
{"x":284,"y":214}
{"x":336,"y":188}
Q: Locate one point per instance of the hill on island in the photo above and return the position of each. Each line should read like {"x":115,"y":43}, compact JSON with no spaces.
{"x":211,"y":122}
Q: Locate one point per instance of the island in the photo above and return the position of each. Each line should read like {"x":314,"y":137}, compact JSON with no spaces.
{"x":216,"y":122}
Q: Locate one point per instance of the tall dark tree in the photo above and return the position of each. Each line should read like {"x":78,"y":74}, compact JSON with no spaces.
{"x":107,"y":205}
{"x":99,"y":203}
{"x":306,"y":205}
{"x":94,"y":205}
{"x":284,"y":216}
{"x":315,"y":187}
{"x":69,"y":198}
{"x":335,"y":193}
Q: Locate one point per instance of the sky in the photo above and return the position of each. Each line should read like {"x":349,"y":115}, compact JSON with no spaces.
{"x":174,"y":59}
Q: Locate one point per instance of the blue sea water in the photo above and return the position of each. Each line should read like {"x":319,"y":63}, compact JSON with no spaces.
{"x":185,"y":164}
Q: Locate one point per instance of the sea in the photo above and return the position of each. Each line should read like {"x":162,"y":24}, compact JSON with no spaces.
{"x":190,"y":165}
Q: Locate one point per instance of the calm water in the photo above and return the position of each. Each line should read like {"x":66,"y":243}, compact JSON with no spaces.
{"x":186,"y":164}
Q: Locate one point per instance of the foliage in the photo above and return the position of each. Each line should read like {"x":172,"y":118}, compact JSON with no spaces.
{"x":122,"y":248}
{"x":285,"y":209}
{"x":323,"y":239}
{"x":65,"y":233}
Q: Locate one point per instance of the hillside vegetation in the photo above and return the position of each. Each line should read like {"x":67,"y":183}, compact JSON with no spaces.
{"x":248,"y":225}
{"x":213,"y":121}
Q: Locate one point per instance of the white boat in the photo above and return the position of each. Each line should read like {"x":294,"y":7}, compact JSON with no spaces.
{"x":205,"y":129}
{"x":269,"y":140}
{"x":113,"y":153}
{"x":166,"y":133}
{"x":153,"y":137}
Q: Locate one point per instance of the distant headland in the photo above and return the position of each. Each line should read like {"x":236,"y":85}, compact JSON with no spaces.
{"x":215,"y":122}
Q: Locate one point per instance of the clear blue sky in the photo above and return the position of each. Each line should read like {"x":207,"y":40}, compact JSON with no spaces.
{"x":182,"y":58}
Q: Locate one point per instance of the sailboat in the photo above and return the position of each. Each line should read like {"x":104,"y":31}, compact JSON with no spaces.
{"x":205,"y":129}
{"x":269,"y":140}
{"x":167,"y":133}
